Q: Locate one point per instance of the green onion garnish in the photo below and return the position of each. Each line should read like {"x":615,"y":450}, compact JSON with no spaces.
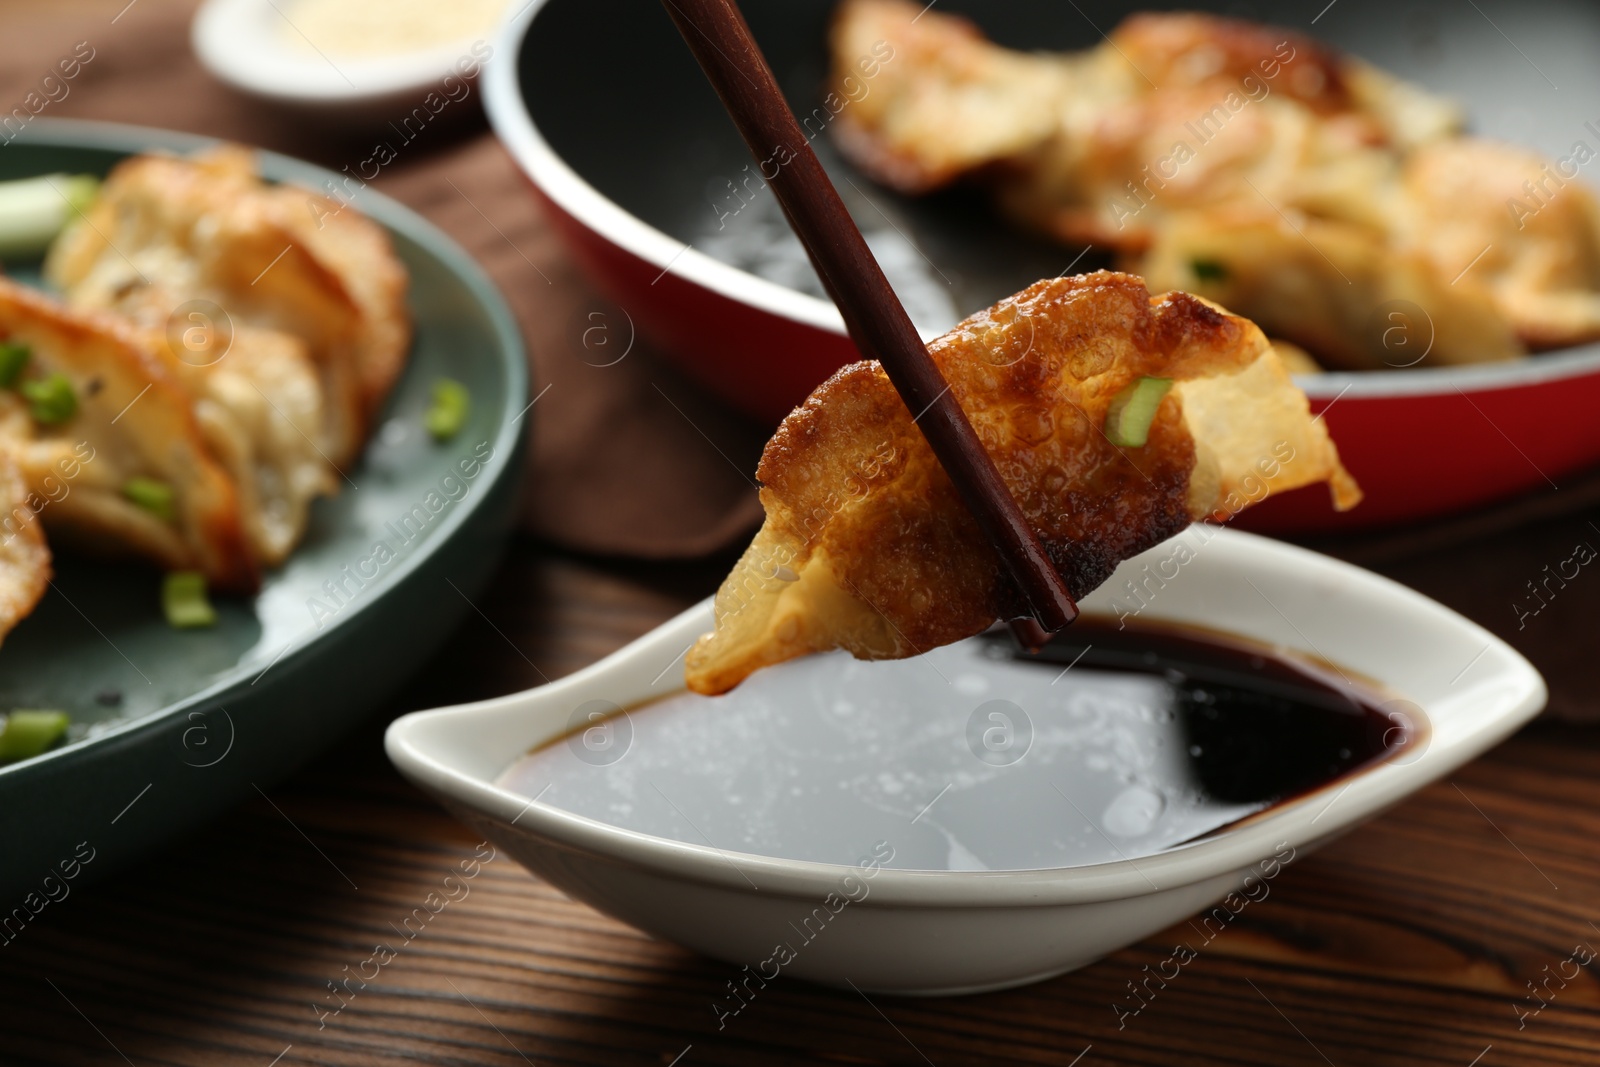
{"x":152,"y":494}
{"x":28,"y":733}
{"x":183,"y":598}
{"x":1132,"y":411}
{"x":13,"y":357}
{"x":34,"y":210}
{"x":449,"y":411}
{"x":1209,"y":270}
{"x":51,"y":399}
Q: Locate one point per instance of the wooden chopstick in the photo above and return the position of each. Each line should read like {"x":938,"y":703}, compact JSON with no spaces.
{"x":721,"y":41}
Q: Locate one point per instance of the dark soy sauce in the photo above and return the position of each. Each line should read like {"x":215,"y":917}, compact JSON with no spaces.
{"x":1258,"y":727}
{"x":1107,"y":744}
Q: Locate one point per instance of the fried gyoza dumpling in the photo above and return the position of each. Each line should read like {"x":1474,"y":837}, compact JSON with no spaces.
{"x":1246,"y":117}
{"x":24,"y":557}
{"x":1338,"y":289}
{"x":361,"y":256}
{"x":142,"y":480}
{"x":168,"y":231}
{"x":868,"y":547}
{"x":1497,"y":270}
{"x":1180,"y":50}
{"x":1143,"y":165}
{"x":1503,"y":218}
{"x":260,"y":407}
{"x":1173,"y":112}
{"x":1329,"y":189}
{"x":931,"y":99}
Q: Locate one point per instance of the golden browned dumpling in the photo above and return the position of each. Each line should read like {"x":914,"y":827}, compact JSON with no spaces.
{"x":868,"y":547}
{"x":1174,"y":112}
{"x":1501,"y":218}
{"x":930,"y":99}
{"x":93,"y":400}
{"x":1305,"y":189}
{"x":167,"y":231}
{"x":24,"y":557}
{"x":1140,"y":165}
{"x":1179,"y":50}
{"x":1339,"y":290}
{"x":260,"y":407}
{"x":359,"y":253}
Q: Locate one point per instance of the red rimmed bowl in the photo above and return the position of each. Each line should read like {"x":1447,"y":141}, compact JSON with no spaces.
{"x":642,"y":174}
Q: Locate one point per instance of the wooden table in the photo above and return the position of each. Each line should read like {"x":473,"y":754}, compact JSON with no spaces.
{"x":1411,"y":941}
{"x":1408,"y":942}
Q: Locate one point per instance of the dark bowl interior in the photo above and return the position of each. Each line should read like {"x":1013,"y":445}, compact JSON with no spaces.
{"x":617,"y":95}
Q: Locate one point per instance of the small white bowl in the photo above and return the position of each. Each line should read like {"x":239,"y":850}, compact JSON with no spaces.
{"x":950,"y":932}
{"x":250,"y":45}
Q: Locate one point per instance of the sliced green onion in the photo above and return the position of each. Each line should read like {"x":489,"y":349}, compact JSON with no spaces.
{"x":82,"y":190}
{"x":13,"y":357}
{"x":152,"y":494}
{"x":183,"y":598}
{"x":28,"y":733}
{"x":1132,"y":411}
{"x":1209,"y":270}
{"x":34,"y":210}
{"x":448,"y":414}
{"x":51,"y":399}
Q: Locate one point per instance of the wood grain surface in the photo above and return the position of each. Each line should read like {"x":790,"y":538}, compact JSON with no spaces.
{"x":1410,"y":941}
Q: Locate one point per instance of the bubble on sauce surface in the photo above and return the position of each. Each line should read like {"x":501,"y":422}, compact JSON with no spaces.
{"x":1133,"y":812}
{"x":971,"y":684}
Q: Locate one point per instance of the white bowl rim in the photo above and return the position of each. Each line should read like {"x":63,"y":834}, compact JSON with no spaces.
{"x":1361,"y":795}
{"x":220,"y":36}
{"x":513,"y":124}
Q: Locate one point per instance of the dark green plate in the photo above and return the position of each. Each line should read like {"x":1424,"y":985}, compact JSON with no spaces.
{"x":171,"y":727}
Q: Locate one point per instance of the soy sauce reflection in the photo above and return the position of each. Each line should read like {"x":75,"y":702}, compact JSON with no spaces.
{"x":973,"y":757}
{"x":1256,"y":727}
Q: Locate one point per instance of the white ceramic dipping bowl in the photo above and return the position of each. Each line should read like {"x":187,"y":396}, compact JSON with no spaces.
{"x":949,"y":932}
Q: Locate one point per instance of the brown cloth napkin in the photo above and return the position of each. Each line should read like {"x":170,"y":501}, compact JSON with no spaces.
{"x":628,"y":459}
{"x":632,"y":459}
